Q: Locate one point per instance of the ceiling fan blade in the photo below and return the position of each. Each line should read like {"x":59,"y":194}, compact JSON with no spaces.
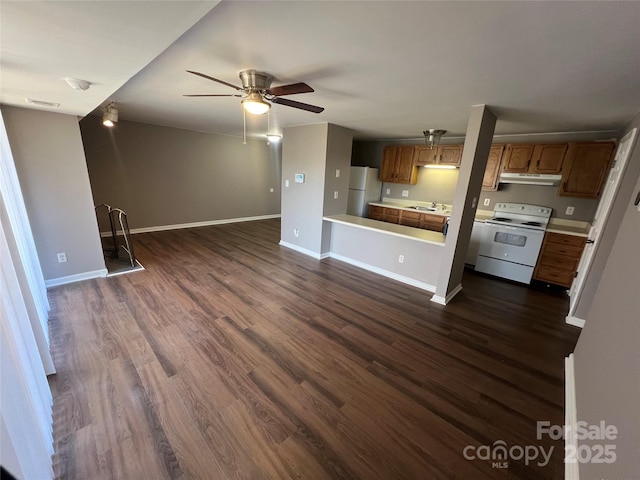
{"x":215,"y":80}
{"x":290,"y":89}
{"x":300,"y":105}
{"x":213,"y":95}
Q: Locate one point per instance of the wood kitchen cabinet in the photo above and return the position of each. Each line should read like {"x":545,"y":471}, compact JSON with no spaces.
{"x":384,"y":214}
{"x":559,"y":258}
{"x":517,"y":158}
{"x":440,"y":155}
{"x":408,"y":218}
{"x":544,"y":158}
{"x":398,"y":165}
{"x":548,"y":158}
{"x":492,"y":171}
{"x":585,"y":169}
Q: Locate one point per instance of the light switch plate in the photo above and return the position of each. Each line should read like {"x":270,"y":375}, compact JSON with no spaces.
{"x":337,"y":173}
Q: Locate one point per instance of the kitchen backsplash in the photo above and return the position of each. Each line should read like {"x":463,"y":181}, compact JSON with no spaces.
{"x":439,"y":186}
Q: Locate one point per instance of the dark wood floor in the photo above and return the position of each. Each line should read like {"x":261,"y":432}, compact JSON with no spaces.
{"x":233,"y":357}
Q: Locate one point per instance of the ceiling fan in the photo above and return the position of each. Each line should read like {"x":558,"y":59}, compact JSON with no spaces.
{"x":256,"y":90}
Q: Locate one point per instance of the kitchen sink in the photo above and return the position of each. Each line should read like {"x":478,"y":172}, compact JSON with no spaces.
{"x":427,"y":209}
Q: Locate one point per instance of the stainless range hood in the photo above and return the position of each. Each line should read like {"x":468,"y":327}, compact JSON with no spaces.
{"x":530,"y":178}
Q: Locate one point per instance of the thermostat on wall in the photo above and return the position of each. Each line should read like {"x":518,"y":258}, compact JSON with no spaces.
{"x":299,"y":177}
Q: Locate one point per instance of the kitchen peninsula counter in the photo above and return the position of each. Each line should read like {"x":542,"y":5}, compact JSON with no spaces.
{"x":417,"y":234}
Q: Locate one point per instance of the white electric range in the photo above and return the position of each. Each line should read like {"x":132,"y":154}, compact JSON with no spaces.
{"x":511,"y":241}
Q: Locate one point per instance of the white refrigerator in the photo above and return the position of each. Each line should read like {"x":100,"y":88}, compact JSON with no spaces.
{"x":364,"y":187}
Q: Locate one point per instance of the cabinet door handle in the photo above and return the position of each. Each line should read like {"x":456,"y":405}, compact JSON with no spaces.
{"x":591,"y":241}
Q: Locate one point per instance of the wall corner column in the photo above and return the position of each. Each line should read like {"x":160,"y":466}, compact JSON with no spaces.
{"x":477,"y":144}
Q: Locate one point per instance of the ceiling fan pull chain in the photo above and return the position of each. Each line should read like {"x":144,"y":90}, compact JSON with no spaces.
{"x":244,"y":125}
{"x":268,"y":128}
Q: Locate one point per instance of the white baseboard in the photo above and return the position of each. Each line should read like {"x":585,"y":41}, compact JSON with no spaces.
{"x":207,"y":223}
{"x":318,"y":256}
{"x":571,"y":471}
{"x":78,"y":277}
{"x":447,"y":299}
{"x":575,"y":321}
{"x":385,"y":273}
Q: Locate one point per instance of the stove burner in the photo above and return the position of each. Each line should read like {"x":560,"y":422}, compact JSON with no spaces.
{"x":532,"y":224}
{"x":501,"y":219}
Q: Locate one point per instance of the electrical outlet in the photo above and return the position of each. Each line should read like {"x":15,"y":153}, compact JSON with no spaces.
{"x":271,"y":190}
{"x":569,"y":210}
{"x":405,"y":193}
{"x":335,"y":195}
{"x":401,"y":259}
{"x":62,"y":257}
{"x":337,"y":173}
{"x":487,"y":202}
{"x":296,"y":232}
{"x":388,"y":191}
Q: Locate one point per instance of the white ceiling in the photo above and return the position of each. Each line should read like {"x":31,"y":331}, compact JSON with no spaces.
{"x":384,"y":69}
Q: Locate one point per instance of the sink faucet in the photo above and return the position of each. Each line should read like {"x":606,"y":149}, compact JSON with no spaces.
{"x":434,"y":204}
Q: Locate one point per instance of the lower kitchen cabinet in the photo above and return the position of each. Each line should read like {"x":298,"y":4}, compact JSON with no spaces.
{"x":559,"y":258}
{"x":425,"y":221}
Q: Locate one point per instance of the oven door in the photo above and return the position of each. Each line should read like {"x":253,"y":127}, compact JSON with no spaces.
{"x":511,"y":244}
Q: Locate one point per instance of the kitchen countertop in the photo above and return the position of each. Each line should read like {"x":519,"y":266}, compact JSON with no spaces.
{"x":569,"y":227}
{"x":417,"y":234}
{"x":556,"y":225}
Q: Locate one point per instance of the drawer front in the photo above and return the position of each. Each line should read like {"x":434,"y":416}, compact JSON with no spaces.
{"x":556,"y":276}
{"x":571,"y":240}
{"x":558,"y":249}
{"x":561,"y":262}
{"x":411,"y":215}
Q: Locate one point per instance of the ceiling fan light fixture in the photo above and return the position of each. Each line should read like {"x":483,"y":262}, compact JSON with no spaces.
{"x":109,"y":115}
{"x":274,"y":137}
{"x":432,"y":136}
{"x":255,"y":104}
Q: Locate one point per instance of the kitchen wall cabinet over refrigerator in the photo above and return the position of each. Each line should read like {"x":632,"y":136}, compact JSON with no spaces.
{"x":398,"y":165}
{"x":364,"y":187}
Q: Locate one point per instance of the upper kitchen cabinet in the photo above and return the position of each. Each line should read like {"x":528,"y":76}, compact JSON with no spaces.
{"x":534,"y":158}
{"x":440,"y":155}
{"x":398,"y":165}
{"x":517,"y":158}
{"x":492,"y":172}
{"x":548,"y":158}
{"x":585,"y":169}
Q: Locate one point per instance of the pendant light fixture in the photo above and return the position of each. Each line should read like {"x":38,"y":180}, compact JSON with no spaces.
{"x":432,"y":136}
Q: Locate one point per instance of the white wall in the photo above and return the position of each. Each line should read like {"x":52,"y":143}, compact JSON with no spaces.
{"x":49,"y":157}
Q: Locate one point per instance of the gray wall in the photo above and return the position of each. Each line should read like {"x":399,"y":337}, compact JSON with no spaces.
{"x":47,"y":150}
{"x":376,"y":250}
{"x":339,"y":143}
{"x":315,"y":151}
{"x":439,"y":185}
{"x":166,"y":176}
{"x":304,"y":150}
{"x":607,"y":362}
